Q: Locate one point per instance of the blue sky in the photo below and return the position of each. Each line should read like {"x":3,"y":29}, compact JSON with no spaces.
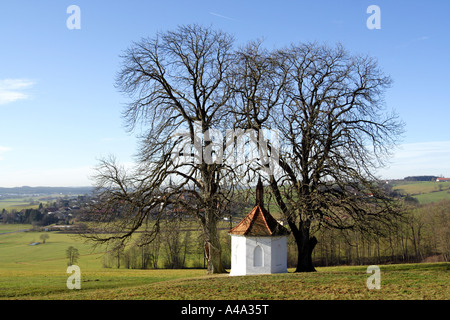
{"x":60,"y":111}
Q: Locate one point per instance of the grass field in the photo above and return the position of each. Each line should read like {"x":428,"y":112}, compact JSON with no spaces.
{"x":424,"y":191}
{"x":17,"y":204}
{"x":420,"y":187}
{"x":39,"y":272}
{"x":26,"y":202}
{"x":433,"y":197}
{"x":425,"y":281}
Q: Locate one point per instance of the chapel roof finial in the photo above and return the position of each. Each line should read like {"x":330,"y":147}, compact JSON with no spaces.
{"x":260,"y":193}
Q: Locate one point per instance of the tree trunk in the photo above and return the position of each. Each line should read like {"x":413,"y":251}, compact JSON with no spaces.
{"x":214,"y":258}
{"x":305,"y":247}
{"x":213,"y":250}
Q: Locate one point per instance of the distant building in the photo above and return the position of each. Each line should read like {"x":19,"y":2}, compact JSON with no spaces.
{"x":442,"y":179}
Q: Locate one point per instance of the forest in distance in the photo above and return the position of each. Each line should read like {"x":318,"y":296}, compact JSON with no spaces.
{"x":422,"y":237}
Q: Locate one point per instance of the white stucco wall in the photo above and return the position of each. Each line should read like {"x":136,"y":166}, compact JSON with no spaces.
{"x":265,"y":244}
{"x":270,"y":255}
{"x":238,"y":255}
{"x":279,"y":255}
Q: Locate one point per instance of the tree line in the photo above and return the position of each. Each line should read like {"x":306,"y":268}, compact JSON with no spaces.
{"x":28,"y":216}
{"x":423,"y":236}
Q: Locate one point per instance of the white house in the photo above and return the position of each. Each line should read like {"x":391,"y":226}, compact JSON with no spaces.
{"x":258,"y":242}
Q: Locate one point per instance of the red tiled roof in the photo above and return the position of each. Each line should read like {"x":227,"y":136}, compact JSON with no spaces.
{"x":259,"y":222}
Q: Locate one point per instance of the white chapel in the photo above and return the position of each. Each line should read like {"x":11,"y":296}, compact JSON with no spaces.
{"x":258,"y":242}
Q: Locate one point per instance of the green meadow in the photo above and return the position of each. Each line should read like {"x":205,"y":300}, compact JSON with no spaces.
{"x":424,"y":191}
{"x":27,"y":201}
{"x":18,"y":204}
{"x":39,"y":272}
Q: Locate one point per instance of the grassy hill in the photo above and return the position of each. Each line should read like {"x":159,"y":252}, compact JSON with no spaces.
{"x":413,"y":281}
{"x":424,"y":191}
{"x":39,"y":272}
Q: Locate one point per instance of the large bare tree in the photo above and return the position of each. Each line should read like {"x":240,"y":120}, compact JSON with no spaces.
{"x":328,"y":108}
{"x":177,"y":85}
{"x":337,"y":132}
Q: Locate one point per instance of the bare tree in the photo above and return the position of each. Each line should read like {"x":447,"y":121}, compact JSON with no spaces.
{"x":328,"y":108}
{"x":150,"y":253}
{"x":72,"y":255}
{"x":176,"y":81}
{"x":258,"y":83}
{"x":176,"y":243}
{"x":336,"y":133}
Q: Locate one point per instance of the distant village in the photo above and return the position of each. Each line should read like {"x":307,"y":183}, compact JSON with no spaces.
{"x":60,"y":209}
